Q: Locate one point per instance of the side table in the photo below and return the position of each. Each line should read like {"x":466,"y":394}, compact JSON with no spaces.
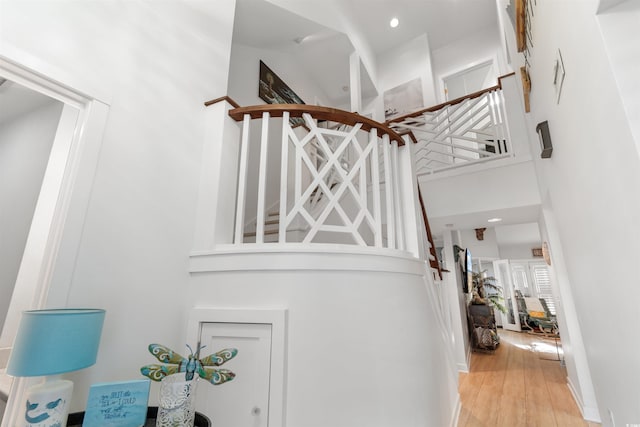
{"x":75,"y":419}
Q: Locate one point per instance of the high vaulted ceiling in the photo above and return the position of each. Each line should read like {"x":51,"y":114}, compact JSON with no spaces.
{"x":324,"y":52}
{"x":444,"y":21}
{"x":261,"y":24}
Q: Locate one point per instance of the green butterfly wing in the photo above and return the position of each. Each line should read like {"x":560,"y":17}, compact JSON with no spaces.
{"x":158,"y":372}
{"x":217,"y":376}
{"x":220,"y":357}
{"x":165,"y":354}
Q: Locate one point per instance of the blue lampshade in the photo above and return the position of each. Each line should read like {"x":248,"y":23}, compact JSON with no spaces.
{"x":51,"y":342}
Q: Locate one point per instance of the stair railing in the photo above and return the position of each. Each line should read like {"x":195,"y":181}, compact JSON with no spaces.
{"x":361,"y":204}
{"x":470,"y":129}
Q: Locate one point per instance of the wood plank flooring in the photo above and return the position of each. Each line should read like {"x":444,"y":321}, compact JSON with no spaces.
{"x":521,"y":384}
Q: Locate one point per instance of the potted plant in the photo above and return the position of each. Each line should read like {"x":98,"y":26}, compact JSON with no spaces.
{"x":485,"y":291}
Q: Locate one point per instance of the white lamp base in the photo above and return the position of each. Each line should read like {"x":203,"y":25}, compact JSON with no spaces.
{"x":47,"y":404}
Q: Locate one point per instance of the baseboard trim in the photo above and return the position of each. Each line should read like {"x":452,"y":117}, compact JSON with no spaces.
{"x":463,"y":367}
{"x":456,"y":411}
{"x":588,"y":413}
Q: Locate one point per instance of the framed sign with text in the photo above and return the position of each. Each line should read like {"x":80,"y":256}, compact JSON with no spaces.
{"x":121,"y":404}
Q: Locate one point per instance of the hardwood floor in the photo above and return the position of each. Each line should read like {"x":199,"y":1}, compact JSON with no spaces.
{"x":521,"y":384}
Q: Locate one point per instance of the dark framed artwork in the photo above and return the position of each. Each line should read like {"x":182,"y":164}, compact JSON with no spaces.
{"x":467,"y":277}
{"x":273,"y":90}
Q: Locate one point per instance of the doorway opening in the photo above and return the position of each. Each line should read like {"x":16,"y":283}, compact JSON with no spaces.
{"x":45,"y":271}
{"x":472,"y":79}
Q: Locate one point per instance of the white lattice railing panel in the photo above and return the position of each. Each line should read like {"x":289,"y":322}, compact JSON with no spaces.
{"x":330,"y":185}
{"x":335,"y":179}
{"x":466,"y":131}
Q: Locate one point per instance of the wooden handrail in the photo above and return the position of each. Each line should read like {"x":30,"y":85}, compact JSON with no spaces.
{"x":450,"y":103}
{"x":230,"y":100}
{"x":317,"y":112}
{"x":432,"y":250}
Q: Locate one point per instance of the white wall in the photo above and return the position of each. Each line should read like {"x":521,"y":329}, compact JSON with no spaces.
{"x":485,"y":190}
{"x":406,"y":63}
{"x":156,"y":64}
{"x":460,"y":55}
{"x":244,"y":73}
{"x":25,"y":143}
{"x":334,"y":14}
{"x":591,"y":181}
{"x":364,"y":347}
{"x":486,"y":248}
{"x":616,"y":25}
{"x":522,"y":251}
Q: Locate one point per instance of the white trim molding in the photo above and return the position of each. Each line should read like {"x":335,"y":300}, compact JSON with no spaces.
{"x":46,"y":270}
{"x":261,"y":257}
{"x":588,"y":413}
{"x":456,"y":411}
{"x":277,"y":318}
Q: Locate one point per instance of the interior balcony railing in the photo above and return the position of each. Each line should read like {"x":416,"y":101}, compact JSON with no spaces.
{"x":314,"y":182}
{"x":467,"y":130}
{"x":287,"y":178}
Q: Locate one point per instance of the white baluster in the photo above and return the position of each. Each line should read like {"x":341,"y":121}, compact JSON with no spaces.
{"x":284,"y":168}
{"x":395,"y":164}
{"x":389,"y":188}
{"x":242,"y":180}
{"x":495,"y":126}
{"x":375,"y":181}
{"x":262,"y":177}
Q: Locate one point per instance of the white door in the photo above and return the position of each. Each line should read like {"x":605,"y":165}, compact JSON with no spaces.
{"x":244,"y":401}
{"x":510,"y":320}
{"x":470,"y":80}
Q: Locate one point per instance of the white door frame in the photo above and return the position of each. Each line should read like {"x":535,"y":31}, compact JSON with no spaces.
{"x":511,"y":301}
{"x":277,"y":318}
{"x":46,"y":270}
{"x":442,"y":96}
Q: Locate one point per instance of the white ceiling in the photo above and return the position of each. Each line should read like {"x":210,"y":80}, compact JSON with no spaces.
{"x":469,"y":221}
{"x":324,"y":53}
{"x":262,"y":24}
{"x":512,"y":219}
{"x":518,"y":234}
{"x":444,"y":21}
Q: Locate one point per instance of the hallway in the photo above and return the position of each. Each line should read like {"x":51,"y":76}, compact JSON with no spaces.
{"x":521,"y":384}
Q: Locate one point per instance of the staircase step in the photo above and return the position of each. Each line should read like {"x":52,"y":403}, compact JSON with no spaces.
{"x":266,"y":233}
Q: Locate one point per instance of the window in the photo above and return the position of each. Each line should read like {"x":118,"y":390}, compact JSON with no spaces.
{"x":520,"y":279}
{"x":542,"y":282}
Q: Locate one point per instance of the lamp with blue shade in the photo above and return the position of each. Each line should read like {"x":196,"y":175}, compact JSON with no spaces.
{"x":52,"y":342}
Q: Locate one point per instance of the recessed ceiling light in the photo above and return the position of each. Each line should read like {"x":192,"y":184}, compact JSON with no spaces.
{"x":494,"y":220}
{"x":394,"y":22}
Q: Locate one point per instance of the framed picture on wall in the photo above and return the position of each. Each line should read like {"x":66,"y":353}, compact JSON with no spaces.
{"x":468,"y":271}
{"x":272,"y":90}
{"x":403,"y":99}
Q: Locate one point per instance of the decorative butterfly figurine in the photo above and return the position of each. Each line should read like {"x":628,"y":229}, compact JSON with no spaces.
{"x":192,"y":365}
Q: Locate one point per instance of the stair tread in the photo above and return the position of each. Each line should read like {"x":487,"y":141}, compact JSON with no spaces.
{"x":266,"y":233}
